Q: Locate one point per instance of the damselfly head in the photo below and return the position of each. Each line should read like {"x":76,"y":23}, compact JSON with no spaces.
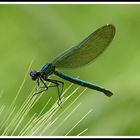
{"x":34,"y":74}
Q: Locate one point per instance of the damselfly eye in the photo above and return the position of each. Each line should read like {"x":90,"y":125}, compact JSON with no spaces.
{"x":34,"y":75}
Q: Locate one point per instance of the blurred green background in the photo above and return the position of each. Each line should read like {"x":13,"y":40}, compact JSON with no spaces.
{"x":41,"y":32}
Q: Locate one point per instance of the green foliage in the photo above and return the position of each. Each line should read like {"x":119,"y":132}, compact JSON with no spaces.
{"x":41,"y":32}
